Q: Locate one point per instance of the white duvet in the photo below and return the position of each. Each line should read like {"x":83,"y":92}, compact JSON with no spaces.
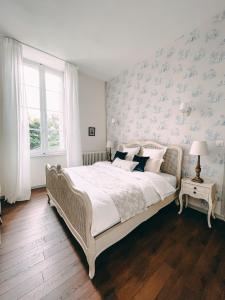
{"x":104,"y":184}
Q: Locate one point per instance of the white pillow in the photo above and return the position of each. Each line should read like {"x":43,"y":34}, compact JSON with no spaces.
{"x":153,"y":165}
{"x":154,"y":153}
{"x":126,"y":165}
{"x":131,"y":152}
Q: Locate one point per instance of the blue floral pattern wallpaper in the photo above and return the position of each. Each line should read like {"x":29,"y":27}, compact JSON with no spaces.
{"x":144,"y":100}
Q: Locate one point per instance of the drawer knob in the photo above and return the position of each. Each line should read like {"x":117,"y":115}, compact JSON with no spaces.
{"x":195,"y":188}
{"x":194,"y":192}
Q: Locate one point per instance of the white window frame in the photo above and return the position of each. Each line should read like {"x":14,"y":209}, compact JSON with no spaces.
{"x":44,"y":150}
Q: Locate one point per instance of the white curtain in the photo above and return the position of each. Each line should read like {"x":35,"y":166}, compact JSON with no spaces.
{"x":72,"y":117}
{"x":14,"y":135}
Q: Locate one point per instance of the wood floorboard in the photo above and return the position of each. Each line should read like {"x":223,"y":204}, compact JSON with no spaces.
{"x":53,"y":282}
{"x":168,"y":257}
{"x":69,"y":287}
{"x":18,"y":275}
{"x":151,"y":287}
{"x":27,"y":232}
{"x":23,"y":288}
{"x":172,"y":288}
{"x":17,"y":255}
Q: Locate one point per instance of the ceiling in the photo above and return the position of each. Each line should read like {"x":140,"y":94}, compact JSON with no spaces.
{"x":103,"y":37}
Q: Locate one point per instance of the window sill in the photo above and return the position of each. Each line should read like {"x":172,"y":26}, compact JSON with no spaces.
{"x":33,"y":155}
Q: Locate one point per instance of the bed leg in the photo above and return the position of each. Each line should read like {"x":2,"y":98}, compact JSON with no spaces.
{"x":91,"y":263}
{"x":48,"y":199}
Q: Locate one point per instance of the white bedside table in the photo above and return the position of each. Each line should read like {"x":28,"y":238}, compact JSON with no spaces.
{"x":205,"y":190}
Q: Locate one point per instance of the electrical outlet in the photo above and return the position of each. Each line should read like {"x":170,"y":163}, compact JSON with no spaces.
{"x":219,"y":143}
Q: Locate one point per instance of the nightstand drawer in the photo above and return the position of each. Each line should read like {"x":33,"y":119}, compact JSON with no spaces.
{"x":196,"y":188}
{"x":195,"y":193}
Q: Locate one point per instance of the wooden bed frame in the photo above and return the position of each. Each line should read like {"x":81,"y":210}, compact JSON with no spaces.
{"x":75,"y":206}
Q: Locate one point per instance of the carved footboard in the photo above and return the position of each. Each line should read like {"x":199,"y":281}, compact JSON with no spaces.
{"x":74,"y":207}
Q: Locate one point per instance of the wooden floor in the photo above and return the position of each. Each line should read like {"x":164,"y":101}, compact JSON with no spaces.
{"x":167,"y":257}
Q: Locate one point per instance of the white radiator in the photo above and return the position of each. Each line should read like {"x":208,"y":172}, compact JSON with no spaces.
{"x":90,"y":158}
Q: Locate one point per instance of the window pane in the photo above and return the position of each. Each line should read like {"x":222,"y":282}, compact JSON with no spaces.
{"x":55,"y":131}
{"x":53,"y":81}
{"x":48,"y":109}
{"x":54,"y":101}
{"x":35,"y":139}
{"x":35,"y":127}
{"x":32,"y":96}
{"x":31,"y":75}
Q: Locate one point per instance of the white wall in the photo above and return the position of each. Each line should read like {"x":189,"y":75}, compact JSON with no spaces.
{"x":92,"y":113}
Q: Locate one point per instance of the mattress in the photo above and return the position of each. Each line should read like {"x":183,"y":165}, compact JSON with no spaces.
{"x":100,"y":188}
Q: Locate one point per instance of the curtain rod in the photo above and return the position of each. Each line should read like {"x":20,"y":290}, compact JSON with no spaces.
{"x":35,"y":48}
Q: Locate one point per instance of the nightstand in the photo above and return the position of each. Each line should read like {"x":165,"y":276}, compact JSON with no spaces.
{"x":205,"y":190}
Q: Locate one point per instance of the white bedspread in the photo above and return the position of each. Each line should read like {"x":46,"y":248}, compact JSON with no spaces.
{"x":106,"y":184}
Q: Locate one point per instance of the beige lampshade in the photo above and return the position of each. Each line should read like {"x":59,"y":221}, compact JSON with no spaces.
{"x":109,"y":144}
{"x":199,"y":148}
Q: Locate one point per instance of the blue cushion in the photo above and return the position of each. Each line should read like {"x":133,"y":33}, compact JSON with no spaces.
{"x":121,"y":155}
{"x":142,"y":162}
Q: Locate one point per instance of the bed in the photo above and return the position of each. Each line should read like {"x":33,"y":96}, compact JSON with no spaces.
{"x":83,"y":198}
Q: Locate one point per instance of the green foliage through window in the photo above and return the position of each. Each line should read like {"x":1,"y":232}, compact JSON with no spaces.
{"x":53,"y":132}
{"x":35,"y":135}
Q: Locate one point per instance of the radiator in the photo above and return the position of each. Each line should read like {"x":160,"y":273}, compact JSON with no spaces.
{"x":90,"y":158}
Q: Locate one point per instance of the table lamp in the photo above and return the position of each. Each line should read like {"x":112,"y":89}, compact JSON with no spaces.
{"x":198,"y":148}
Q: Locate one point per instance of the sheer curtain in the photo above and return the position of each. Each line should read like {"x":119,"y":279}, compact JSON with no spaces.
{"x":14,"y":128}
{"x":72,"y":117}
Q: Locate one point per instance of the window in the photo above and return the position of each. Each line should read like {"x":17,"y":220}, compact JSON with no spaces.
{"x":44,"y":93}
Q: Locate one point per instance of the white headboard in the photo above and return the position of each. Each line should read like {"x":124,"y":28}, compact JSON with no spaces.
{"x":172,"y":158}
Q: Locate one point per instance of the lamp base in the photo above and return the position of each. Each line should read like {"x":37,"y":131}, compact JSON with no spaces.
{"x":197,"y":179}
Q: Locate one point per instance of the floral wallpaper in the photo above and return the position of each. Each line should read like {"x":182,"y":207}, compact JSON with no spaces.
{"x":144,"y":100}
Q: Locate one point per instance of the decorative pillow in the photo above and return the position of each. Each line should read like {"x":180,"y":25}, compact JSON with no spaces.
{"x":141,"y":162}
{"x":153,"y":165}
{"x":126,"y":165}
{"x":131,"y":152}
{"x":120,"y":155}
{"x":154,"y":153}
